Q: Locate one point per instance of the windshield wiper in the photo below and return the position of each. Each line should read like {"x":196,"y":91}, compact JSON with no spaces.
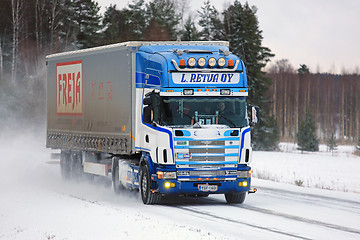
{"x":228,"y":120}
{"x":192,"y":118}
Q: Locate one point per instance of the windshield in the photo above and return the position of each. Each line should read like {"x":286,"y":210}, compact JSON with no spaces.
{"x":185,"y":111}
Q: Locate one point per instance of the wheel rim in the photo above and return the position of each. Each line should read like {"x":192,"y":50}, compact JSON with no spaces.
{"x":144,"y":184}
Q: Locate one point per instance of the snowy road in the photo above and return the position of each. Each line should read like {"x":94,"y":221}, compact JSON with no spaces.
{"x":36,"y":204}
{"x":284,"y":214}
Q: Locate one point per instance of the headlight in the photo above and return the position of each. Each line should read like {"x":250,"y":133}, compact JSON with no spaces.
{"x":166,"y":175}
{"x":212,"y":62}
{"x":191,"y":62}
{"x":242,"y":174}
{"x":201,"y":62}
{"x":221,"y":62}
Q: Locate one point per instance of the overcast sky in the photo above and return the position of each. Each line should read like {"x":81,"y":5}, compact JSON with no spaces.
{"x":323,"y":34}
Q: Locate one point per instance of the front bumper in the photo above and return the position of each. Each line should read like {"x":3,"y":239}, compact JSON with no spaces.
{"x":175,"y":187}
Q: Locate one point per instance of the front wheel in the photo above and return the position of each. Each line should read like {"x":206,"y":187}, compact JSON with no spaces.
{"x":147,"y":196}
{"x":235,"y":197}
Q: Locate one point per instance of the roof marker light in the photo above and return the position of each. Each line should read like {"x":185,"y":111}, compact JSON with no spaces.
{"x":182,"y":62}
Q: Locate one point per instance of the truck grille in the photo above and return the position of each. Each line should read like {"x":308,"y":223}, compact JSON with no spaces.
{"x":209,"y":143}
{"x":207,"y":173}
{"x":205,"y":149}
{"x":202,"y":160}
{"x":208,"y":159}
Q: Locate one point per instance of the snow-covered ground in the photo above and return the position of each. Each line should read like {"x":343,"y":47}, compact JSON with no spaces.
{"x":337,"y":170}
{"x":36,"y":204}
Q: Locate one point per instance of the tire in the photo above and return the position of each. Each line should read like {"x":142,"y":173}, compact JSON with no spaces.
{"x":147,"y":196}
{"x":76,"y":168}
{"x":65,"y":166}
{"x":117,"y":186}
{"x":235,"y":197}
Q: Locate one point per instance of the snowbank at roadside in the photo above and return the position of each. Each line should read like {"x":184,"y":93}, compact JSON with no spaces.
{"x":326,"y":170}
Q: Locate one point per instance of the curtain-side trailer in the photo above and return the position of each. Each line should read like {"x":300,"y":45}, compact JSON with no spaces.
{"x":166,"y":118}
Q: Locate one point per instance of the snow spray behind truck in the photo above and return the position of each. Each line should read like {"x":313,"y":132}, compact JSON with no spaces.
{"x":166,"y":118}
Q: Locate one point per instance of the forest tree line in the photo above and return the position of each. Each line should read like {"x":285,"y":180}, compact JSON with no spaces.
{"x":333,"y":100}
{"x":32,"y":29}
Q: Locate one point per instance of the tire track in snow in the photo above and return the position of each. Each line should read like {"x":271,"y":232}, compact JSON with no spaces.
{"x":309,"y":195}
{"x":273,"y":213}
{"x":300,"y":219}
{"x":192,"y":210}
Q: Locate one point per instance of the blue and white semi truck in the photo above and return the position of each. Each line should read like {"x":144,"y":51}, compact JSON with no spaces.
{"x":166,"y":118}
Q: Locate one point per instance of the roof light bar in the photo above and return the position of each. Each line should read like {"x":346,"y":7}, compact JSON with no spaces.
{"x":192,"y":69}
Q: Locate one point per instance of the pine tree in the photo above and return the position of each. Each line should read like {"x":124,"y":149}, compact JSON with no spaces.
{"x":242,"y":29}
{"x":270,"y":140}
{"x":331,"y":143}
{"x":306,"y":137}
{"x":303,"y":69}
{"x":114,"y":22}
{"x":136,"y":20}
{"x":162,"y":20}
{"x":190,"y":32}
{"x":86,"y":19}
{"x":212,"y":26}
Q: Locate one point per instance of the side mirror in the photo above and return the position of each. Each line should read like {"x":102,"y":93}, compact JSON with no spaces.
{"x":254,"y":115}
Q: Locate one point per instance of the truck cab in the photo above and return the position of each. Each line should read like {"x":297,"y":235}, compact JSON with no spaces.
{"x":193,"y":122}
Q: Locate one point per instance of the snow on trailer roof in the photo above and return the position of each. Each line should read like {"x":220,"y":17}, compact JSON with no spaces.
{"x":139,"y":44}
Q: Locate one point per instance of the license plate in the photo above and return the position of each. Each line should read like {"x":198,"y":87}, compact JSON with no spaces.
{"x":208,"y":188}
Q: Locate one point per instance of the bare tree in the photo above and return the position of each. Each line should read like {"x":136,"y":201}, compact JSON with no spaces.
{"x":39,"y":10}
{"x":1,"y":61}
{"x":16,"y":7}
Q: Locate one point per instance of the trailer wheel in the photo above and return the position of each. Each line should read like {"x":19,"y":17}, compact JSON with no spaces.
{"x":236,"y":197}
{"x":76,"y":166}
{"x":147,"y":196}
{"x":65,"y":165}
{"x":117,"y":186}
